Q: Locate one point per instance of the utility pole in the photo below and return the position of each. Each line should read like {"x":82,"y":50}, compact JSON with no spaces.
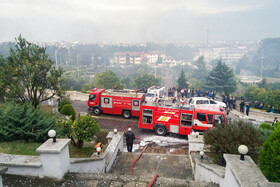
{"x":55,"y":54}
{"x":78,"y":65}
{"x":261,"y":62}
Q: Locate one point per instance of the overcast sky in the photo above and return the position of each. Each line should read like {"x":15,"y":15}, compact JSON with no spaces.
{"x":139,"y":20}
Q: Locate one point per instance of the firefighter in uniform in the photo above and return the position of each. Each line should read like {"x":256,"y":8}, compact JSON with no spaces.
{"x":130,"y":137}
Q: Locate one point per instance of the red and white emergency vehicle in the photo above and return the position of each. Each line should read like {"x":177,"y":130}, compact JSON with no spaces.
{"x":123,"y":103}
{"x":180,"y":120}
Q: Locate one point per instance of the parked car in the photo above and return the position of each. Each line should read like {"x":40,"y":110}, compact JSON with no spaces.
{"x":150,"y":96}
{"x":205,"y":101}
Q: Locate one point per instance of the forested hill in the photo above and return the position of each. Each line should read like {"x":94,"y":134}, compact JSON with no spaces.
{"x":266,"y":58}
{"x":87,"y":53}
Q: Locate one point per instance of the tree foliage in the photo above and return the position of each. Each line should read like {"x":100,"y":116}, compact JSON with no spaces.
{"x":68,"y":110}
{"x":268,"y":97}
{"x":182,"y":81}
{"x":270,"y":157}
{"x":146,"y":81}
{"x":107,"y":80}
{"x":265,"y":59}
{"x":29,"y":74}
{"x":78,"y":131}
{"x":227,"y":138}
{"x":62,"y":103}
{"x":200,"y":72}
{"x":23,"y":122}
{"x":220,"y":77}
{"x":2,"y":82}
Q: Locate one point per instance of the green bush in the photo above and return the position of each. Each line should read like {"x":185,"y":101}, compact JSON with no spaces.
{"x":276,"y":125}
{"x":270,"y":157}
{"x":78,"y":131}
{"x":62,"y":103}
{"x":23,"y":122}
{"x":68,"y":110}
{"x":227,"y":137}
{"x":101,"y":136}
{"x":266,"y":126}
{"x":265,"y":132}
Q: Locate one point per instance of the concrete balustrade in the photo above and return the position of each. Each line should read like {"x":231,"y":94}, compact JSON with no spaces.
{"x":54,"y":160}
{"x":2,"y":171}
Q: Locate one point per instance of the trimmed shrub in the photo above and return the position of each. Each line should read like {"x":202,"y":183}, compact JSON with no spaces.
{"x":101,"y":136}
{"x":276,"y":125}
{"x":270,"y":157}
{"x":68,"y":110}
{"x":227,"y":138}
{"x":265,"y":132}
{"x":23,"y":122}
{"x":266,"y":126}
{"x":78,"y":131}
{"x":62,"y":103}
{"x":85,"y":128}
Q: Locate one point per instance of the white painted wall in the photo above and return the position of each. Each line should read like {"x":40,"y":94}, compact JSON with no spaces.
{"x":112,"y":150}
{"x":55,"y":165}
{"x":1,"y":182}
{"x":25,"y":170}
{"x":207,"y":174}
{"x":195,"y":144}
{"x":229,"y":180}
{"x":95,"y":166}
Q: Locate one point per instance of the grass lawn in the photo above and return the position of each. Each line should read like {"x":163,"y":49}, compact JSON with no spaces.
{"x":29,"y":148}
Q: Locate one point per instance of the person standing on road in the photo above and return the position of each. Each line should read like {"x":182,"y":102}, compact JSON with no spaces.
{"x":275,"y":121}
{"x":247,"y":109}
{"x":242,"y":104}
{"x":130,"y":137}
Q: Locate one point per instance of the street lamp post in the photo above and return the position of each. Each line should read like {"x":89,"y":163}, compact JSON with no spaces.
{"x":55,"y":53}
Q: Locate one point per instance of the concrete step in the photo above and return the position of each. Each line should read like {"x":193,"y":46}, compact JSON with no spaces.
{"x":135,"y":181}
{"x":166,"y":165}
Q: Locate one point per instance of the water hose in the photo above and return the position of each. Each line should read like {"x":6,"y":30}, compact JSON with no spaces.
{"x":153,"y":180}
{"x":137,"y":159}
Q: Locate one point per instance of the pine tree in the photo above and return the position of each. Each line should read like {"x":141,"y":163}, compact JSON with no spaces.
{"x":23,"y":122}
{"x":182,"y":81}
{"x":220,"y":78}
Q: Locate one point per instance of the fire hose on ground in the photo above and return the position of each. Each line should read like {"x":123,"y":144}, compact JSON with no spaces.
{"x":155,"y":177}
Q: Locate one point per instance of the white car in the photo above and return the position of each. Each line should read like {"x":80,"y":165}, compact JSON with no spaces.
{"x":150,"y":96}
{"x":205,"y":101}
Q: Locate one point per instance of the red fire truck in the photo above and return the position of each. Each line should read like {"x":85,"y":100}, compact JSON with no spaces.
{"x":180,"y":120}
{"x":123,"y":103}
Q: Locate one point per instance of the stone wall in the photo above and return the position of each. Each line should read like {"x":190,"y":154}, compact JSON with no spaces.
{"x":55,"y":161}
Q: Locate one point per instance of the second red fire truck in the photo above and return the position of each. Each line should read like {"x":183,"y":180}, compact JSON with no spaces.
{"x":180,"y":120}
{"x":123,"y":103}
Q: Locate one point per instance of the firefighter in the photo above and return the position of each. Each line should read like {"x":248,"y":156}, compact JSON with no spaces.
{"x":130,"y":137}
{"x":101,"y":148}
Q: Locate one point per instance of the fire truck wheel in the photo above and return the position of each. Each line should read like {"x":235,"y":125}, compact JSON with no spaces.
{"x":97,"y":111}
{"x":126,"y":114}
{"x":160,"y":130}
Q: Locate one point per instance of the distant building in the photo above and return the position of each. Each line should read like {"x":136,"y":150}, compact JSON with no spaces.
{"x":153,"y":56}
{"x":227,"y":55}
{"x":138,"y":57}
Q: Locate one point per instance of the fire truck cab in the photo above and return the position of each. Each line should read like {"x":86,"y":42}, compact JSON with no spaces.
{"x":122,"y":103}
{"x":180,"y":120}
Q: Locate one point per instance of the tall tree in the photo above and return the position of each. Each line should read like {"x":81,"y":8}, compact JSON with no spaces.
{"x":29,"y":74}
{"x":146,"y":81}
{"x":107,"y":80}
{"x":2,"y":82}
{"x":220,"y":78}
{"x":200,"y":71}
{"x":182,"y":81}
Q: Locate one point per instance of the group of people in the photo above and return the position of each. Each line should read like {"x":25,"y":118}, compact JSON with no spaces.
{"x":190,"y":92}
{"x":229,"y":101}
{"x":243,"y":105}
